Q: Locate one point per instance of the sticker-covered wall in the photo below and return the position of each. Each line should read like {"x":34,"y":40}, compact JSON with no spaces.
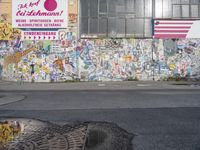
{"x":70,"y":58}
{"x":177,"y":58}
{"x":99,"y":59}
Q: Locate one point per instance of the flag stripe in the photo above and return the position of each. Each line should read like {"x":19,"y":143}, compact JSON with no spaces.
{"x":173,"y":22}
{"x":170,"y":33}
{"x":171,"y":29}
{"x":180,"y":21}
{"x":183,"y":31}
{"x":172,"y":25}
{"x":184,"y":23}
{"x":176,"y":27}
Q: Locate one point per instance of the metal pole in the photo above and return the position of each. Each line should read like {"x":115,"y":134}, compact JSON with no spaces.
{"x":152,"y":44}
{"x":152,"y":50}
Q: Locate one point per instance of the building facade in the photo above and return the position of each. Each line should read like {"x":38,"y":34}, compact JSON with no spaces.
{"x":108,"y":40}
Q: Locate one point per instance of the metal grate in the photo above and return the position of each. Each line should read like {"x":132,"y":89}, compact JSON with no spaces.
{"x":38,"y":135}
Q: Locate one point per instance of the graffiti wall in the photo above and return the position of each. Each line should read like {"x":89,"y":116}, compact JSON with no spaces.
{"x":114,"y":59}
{"x":98,"y":59}
{"x":70,"y":58}
{"x":182,"y":57}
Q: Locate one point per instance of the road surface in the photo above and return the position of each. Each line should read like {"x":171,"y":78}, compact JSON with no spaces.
{"x":165,"y":119}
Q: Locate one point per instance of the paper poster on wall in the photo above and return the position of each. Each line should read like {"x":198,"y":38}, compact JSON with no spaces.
{"x":39,"y":13}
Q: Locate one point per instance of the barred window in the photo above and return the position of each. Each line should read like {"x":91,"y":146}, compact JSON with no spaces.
{"x":186,"y":10}
{"x":115,"y":18}
{"x":177,"y":9}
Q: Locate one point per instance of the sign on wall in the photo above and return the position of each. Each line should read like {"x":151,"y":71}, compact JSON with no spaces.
{"x":39,"y":35}
{"x":39,"y":13}
{"x":176,"y":29}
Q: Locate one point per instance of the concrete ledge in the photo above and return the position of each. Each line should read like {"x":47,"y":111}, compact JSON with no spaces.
{"x":117,"y":85}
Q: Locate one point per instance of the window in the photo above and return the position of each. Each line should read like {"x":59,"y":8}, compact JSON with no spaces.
{"x":177,"y":9}
{"x":131,"y":18}
{"x":115,"y":18}
{"x":194,"y":11}
{"x":185,"y":8}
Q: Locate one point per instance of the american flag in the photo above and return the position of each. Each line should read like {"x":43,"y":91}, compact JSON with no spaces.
{"x":172,"y":28}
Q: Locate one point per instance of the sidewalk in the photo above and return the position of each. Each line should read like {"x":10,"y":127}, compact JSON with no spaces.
{"x":117,"y":85}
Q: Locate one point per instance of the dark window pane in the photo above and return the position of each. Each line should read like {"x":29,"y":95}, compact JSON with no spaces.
{"x":94,"y":8}
{"x":112,"y":30}
{"x":93,"y":26}
{"x":120,"y":26}
{"x":139,"y":27}
{"x":112,"y":14}
{"x":84,"y":8}
{"x":194,"y":1}
{"x":139,"y":8}
{"x":130,"y":27}
{"x":84,"y":25}
{"x":185,"y":1}
{"x":102,"y":15}
{"x":176,"y":1}
{"x":103,"y":25}
{"x":148,"y":28}
{"x":134,"y":27}
{"x":120,"y":6}
{"x":102,"y":6}
{"x":112,"y":6}
{"x":129,"y":6}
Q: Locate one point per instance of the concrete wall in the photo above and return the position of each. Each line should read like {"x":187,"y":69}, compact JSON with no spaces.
{"x":99,"y":59}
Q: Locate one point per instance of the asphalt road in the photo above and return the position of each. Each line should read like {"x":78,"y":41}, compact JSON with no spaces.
{"x":159,"y":119}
